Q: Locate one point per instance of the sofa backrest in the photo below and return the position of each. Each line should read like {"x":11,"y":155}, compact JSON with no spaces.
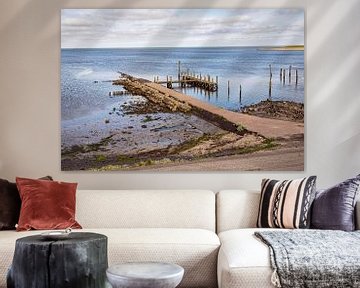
{"x":236,"y":209}
{"x":239,"y":209}
{"x":146,"y":209}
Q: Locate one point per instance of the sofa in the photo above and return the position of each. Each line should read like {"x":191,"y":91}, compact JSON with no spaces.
{"x":210,"y":235}
{"x":143,"y":225}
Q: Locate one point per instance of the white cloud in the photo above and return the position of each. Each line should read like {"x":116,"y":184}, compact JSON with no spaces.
{"x":180,"y":27}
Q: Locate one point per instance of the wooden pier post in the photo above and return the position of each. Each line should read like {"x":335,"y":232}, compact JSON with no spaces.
{"x":179,"y":70}
{"x":296,"y":77}
{"x":217,"y":80}
{"x":270,"y":90}
{"x":228,"y":87}
{"x":281,"y":74}
{"x":240,"y":94}
{"x":284,"y":73}
{"x":290,"y":74}
{"x":270,"y":72}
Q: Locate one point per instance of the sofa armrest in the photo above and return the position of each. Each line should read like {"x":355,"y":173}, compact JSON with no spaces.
{"x":357,"y":215}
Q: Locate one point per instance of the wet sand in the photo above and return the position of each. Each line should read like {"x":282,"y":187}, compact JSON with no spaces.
{"x":288,"y":156}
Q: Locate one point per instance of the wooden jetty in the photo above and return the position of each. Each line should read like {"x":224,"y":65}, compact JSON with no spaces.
{"x":188,"y":79}
{"x":192,"y":80}
{"x":228,"y":120}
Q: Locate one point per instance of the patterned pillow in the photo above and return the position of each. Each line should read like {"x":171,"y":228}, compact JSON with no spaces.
{"x":286,"y":204}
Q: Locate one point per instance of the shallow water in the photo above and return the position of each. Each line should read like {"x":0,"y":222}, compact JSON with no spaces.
{"x":248,"y":67}
{"x":85,"y":86}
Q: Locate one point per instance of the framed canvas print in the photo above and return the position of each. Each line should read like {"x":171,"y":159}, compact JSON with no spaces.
{"x":182,"y":89}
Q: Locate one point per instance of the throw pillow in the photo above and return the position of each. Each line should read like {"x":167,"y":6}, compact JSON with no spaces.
{"x":10,"y":204}
{"x":334,"y":208}
{"x":286,"y":204}
{"x":46,"y":204}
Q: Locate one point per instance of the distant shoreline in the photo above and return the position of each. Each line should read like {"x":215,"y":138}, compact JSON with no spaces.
{"x":284,"y":48}
{"x":264,"y":48}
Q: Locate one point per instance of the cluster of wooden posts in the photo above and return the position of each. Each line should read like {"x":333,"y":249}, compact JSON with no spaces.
{"x":283,"y":76}
{"x":118,"y":93}
{"x":187,"y":78}
{"x":209,"y":84}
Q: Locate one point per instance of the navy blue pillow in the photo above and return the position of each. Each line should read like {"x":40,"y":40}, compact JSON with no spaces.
{"x":334,"y":208}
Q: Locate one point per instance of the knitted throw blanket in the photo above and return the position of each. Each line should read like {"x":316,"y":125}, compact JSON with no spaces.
{"x":313,"y":258}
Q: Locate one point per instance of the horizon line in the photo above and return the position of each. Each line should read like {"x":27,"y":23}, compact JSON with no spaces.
{"x":161,"y":47}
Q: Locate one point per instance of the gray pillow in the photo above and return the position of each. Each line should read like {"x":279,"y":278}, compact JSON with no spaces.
{"x":334,"y":208}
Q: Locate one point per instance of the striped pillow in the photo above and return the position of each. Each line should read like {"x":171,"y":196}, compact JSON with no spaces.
{"x":286,"y":204}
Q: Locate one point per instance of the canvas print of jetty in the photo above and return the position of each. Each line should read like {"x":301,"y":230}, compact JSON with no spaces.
{"x":182,"y":89}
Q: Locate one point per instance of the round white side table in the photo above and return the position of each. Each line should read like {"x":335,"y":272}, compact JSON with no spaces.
{"x":145,"y":275}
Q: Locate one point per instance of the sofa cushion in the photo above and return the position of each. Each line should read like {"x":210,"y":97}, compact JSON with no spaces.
{"x":244,"y":261}
{"x":194,"y":249}
{"x":46,"y":204}
{"x":334,"y":208}
{"x":153,"y":209}
{"x":286,"y":204}
{"x":236,"y":209}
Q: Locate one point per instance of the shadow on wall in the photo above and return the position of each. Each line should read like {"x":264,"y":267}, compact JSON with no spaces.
{"x":337,"y":72}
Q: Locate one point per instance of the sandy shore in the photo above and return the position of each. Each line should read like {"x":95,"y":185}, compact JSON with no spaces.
{"x":288,"y":156}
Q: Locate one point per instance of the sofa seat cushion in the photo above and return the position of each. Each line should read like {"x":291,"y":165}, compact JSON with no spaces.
{"x":244,"y":261}
{"x":194,"y":249}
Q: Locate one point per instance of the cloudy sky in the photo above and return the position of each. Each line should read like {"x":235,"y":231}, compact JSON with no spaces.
{"x":105,"y":28}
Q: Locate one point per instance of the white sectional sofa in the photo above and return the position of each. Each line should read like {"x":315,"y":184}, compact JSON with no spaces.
{"x":171,"y":226}
{"x":243,"y":260}
{"x":177,"y":226}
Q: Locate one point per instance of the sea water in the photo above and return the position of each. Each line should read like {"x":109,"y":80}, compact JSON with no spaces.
{"x":85,"y":72}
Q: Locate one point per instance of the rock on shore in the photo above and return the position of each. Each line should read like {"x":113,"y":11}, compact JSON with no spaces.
{"x":283,"y":110}
{"x":165,"y":100}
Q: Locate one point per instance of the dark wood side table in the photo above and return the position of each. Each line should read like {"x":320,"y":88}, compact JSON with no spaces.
{"x":79,"y":261}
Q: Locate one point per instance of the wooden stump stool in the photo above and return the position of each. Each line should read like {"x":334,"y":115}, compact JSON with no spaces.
{"x":78,"y":261}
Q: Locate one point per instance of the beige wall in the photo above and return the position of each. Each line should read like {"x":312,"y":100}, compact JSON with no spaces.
{"x":30,"y":95}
